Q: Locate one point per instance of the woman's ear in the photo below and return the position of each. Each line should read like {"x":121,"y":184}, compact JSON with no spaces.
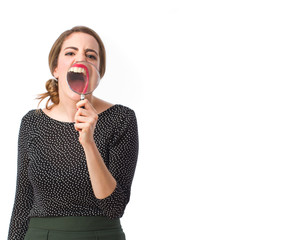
{"x":55,"y":73}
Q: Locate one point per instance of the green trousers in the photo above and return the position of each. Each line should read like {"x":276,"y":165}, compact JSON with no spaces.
{"x":74,"y":228}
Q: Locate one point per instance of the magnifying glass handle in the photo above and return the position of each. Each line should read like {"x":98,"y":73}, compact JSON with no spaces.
{"x":82,"y":96}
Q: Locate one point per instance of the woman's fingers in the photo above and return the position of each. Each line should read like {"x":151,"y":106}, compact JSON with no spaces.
{"x":86,"y":113}
{"x":81,"y":119}
{"x":85,"y":121}
{"x":82,"y":112}
{"x":85,"y":118}
{"x":82,"y":103}
{"x":82,"y":125}
{"x":86,"y":104}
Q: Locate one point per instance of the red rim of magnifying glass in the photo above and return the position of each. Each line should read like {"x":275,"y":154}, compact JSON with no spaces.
{"x":87,"y":73}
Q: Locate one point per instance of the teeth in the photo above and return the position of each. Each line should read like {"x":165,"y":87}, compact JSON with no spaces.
{"x":77,"y":70}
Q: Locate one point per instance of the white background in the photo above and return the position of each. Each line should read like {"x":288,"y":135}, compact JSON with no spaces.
{"x":220,"y":92}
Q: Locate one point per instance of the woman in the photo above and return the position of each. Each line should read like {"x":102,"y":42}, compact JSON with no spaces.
{"x":76,"y":159}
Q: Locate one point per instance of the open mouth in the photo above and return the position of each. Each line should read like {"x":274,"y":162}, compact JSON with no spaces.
{"x":78,"y":78}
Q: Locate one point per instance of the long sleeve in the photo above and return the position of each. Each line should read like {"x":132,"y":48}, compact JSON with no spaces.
{"x":123,"y":156}
{"x":24,"y":192}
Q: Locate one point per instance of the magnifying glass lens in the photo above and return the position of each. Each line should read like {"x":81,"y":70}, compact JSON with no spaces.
{"x":83,"y":78}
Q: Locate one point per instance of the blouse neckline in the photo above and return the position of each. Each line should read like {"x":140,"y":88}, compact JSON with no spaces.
{"x":64,"y":122}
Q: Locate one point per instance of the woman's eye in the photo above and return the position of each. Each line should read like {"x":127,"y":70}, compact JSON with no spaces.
{"x":69,"y":54}
{"x":92,"y":57}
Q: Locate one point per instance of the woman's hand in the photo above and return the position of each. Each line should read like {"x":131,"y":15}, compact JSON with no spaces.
{"x":85,"y":122}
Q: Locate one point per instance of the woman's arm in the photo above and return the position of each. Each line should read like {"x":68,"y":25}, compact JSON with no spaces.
{"x":102,"y":181}
{"x":24,"y":192}
{"x":111,"y":185}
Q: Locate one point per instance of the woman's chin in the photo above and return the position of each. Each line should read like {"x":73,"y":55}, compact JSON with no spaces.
{"x":74,"y":96}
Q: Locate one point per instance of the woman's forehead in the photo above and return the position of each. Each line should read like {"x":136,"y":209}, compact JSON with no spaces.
{"x":82,"y":40}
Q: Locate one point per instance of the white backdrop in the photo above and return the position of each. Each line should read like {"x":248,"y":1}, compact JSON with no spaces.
{"x":220,"y":93}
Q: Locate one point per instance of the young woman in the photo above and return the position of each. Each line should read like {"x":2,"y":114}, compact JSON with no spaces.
{"x":76,"y":159}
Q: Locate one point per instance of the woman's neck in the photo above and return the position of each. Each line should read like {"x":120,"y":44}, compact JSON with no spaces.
{"x":66,"y":109}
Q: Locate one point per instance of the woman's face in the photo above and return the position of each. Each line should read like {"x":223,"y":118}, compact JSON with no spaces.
{"x":76,"y":47}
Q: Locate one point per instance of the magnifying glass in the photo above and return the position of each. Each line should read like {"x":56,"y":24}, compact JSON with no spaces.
{"x":83,"y":78}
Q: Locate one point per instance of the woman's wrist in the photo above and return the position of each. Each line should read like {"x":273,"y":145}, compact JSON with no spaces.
{"x":88,"y":144}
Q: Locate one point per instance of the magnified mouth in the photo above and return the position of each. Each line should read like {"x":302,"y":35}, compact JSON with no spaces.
{"x":78,"y":76}
{"x":80,"y":68}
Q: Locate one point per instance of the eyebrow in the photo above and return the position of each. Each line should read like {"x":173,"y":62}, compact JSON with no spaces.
{"x":87,"y":50}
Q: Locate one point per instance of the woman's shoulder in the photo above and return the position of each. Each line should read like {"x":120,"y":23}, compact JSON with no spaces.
{"x":120,"y":109}
{"x":29,"y":119}
{"x":101,"y":105}
{"x":119,"y":116}
{"x":31,"y":114}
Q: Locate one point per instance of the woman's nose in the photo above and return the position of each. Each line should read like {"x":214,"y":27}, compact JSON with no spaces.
{"x":80,"y":57}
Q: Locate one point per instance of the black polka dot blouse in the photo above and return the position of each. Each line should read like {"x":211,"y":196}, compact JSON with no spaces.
{"x":52,"y":176}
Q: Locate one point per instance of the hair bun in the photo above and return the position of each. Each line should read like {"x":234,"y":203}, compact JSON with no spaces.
{"x":52,"y":89}
{"x":52,"y":92}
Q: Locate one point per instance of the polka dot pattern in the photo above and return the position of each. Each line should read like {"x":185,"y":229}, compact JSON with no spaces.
{"x":52,"y":174}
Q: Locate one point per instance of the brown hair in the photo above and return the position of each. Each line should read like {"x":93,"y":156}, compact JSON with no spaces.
{"x":52,"y":84}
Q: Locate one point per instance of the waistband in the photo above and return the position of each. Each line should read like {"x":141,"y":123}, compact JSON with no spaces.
{"x":72,"y":223}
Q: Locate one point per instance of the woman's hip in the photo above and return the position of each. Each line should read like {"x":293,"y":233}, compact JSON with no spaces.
{"x":77,"y":228}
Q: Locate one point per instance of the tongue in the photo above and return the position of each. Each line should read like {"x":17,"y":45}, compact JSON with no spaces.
{"x":77,"y":82}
